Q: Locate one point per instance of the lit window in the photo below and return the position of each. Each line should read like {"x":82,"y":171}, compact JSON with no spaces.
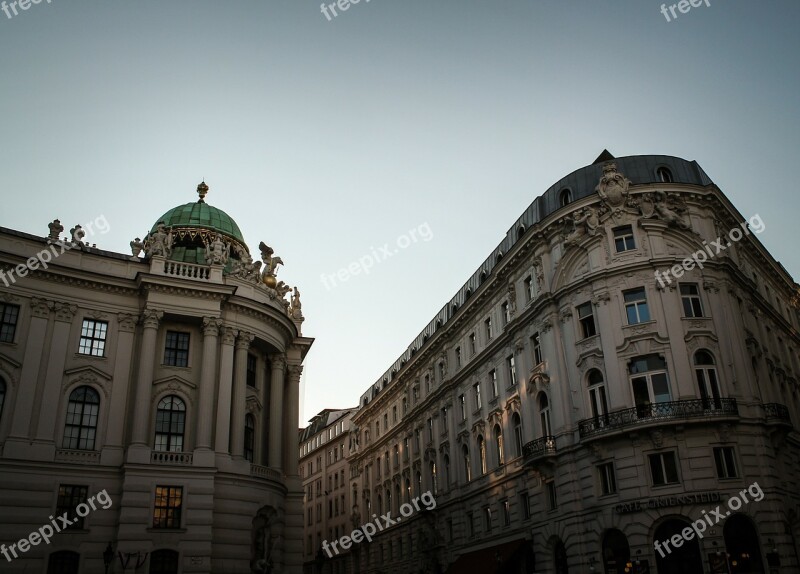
{"x":663,"y":468}
{"x":80,"y":429}
{"x":690,"y":296}
{"x":176,"y":350}
{"x":623,"y":239}
{"x":93,"y":338}
{"x":168,"y":506}
{"x":636,"y":306}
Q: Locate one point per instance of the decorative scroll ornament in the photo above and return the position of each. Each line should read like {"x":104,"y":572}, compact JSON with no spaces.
{"x":613,"y":187}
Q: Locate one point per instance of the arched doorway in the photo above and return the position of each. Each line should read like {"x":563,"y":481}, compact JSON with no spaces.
{"x":741,"y":542}
{"x":616,"y":552}
{"x":686,"y":559}
{"x":560,"y":558}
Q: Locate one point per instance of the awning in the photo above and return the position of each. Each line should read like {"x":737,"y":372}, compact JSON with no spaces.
{"x":506,"y":558}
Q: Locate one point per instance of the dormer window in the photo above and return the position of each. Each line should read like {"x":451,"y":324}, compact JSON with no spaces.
{"x":565,"y":197}
{"x":664,"y":175}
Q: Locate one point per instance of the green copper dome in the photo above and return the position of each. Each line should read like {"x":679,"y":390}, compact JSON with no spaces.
{"x":200,"y":215}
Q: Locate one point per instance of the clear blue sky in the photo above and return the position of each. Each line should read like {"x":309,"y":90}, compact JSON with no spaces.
{"x":328,"y":138}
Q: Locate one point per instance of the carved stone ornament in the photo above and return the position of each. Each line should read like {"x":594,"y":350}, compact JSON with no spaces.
{"x":126,"y":322}
{"x":244,"y":339}
{"x":211,"y":326}
{"x":40,"y":307}
{"x":582,"y":223}
{"x":613,"y":187}
{"x":55,"y":231}
{"x":65,"y":311}
{"x":295,"y":371}
{"x":657,"y":436}
{"x":151,"y":318}
{"x":228,"y":335}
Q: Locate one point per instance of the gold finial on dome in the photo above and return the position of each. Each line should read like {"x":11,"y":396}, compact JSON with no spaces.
{"x":202,"y":190}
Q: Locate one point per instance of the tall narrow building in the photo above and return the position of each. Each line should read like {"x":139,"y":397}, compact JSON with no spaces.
{"x":151,"y":399}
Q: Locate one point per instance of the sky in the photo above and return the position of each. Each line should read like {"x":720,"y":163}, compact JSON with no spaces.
{"x":330,"y":138}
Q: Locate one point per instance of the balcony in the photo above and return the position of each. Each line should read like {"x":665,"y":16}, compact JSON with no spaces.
{"x":171,"y":458}
{"x":539,"y":449}
{"x":658,"y":413}
{"x":78,"y":456}
{"x":266,"y":472}
{"x":777,"y":414}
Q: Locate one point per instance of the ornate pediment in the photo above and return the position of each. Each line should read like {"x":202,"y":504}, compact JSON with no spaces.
{"x":177,"y":384}
{"x":479,"y":428}
{"x":87,"y":375}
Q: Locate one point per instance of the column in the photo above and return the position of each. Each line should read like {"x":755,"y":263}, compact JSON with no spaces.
{"x":205,"y":409}
{"x":291,"y":413}
{"x":144,"y":382}
{"x":262,"y":441}
{"x":222,"y":439}
{"x":31,"y":363}
{"x":240,"y":393}
{"x":275,"y":412}
{"x":55,"y":371}
{"x":126,"y":331}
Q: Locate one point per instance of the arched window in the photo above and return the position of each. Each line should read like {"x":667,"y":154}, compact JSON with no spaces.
{"x":408,"y":490}
{"x":2,"y":396}
{"x":565,"y":197}
{"x":707,"y":382}
{"x":397,"y":495}
{"x":80,"y":429}
{"x":483,"y":277}
{"x":597,"y":397}
{"x":446,"y":460}
{"x":497,"y":435}
{"x":520,"y":231}
{"x":516,"y":422}
{"x":249,"y":437}
{"x":170,"y":423}
{"x":419,"y":483}
{"x":664,"y":175}
{"x":432,"y":474}
{"x":742,"y":543}
{"x":465,"y":460}
{"x":650,"y":383}
{"x":164,"y":562}
{"x":380,"y":505}
{"x":544,"y":415}
{"x":389,"y":500}
{"x":616,"y":551}
{"x":482,"y":453}
{"x":63,"y":562}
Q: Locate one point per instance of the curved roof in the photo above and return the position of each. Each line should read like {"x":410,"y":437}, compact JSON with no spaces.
{"x":202,"y":216}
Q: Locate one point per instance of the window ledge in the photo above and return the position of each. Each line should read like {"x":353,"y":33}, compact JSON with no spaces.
{"x":166,"y":530}
{"x":85,"y":356}
{"x":641,"y":324}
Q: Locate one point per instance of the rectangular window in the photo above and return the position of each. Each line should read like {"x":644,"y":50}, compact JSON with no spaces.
{"x":528,"y":288}
{"x":444,"y":420}
{"x":385,"y":421}
{"x":487,"y":518}
{"x":636,"y":306}
{"x":458,"y":357}
{"x":396,"y":456}
{"x":623,"y":238}
{"x":430,"y":430}
{"x":690,"y":296}
{"x":536,"y":346}
{"x":394,"y":414}
{"x":512,"y":371}
{"x":608,"y":479}
{"x":168,"y":505}
{"x":9,"y":314}
{"x":70,"y":496}
{"x":472,"y":347}
{"x":586,"y":319}
{"x":663,"y":468}
{"x":417,"y":434}
{"x":506,"y":313}
{"x":470,"y":525}
{"x":506,"y":513}
{"x":552,"y":500}
{"x":406,"y":448}
{"x":462,"y":401}
{"x":725,"y":461}
{"x":251,"y":370}
{"x":525,"y":503}
{"x":488,"y":324}
{"x":477,"y":391}
{"x":493,"y":383}
{"x":93,"y":338}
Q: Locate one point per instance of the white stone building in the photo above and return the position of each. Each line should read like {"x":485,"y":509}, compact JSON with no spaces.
{"x":570,"y":409}
{"x":168,"y":381}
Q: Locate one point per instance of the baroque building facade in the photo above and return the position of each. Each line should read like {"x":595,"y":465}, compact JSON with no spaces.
{"x":605,"y":379}
{"x":324,"y":469}
{"x":167,"y":380}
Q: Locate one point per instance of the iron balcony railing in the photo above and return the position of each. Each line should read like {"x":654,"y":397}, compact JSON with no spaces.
{"x":540,"y":448}
{"x":777,"y":412}
{"x":657,"y":412}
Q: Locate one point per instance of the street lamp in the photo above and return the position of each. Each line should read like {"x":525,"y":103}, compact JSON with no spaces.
{"x":108,"y":556}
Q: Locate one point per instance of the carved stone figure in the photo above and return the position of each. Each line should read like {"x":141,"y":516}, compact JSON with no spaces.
{"x":296,"y":307}
{"x":136,"y":247}
{"x":613,"y":186}
{"x":666,"y":213}
{"x":282,"y":289}
{"x":55,"y":231}
{"x":583,"y":222}
{"x":217,"y":251}
{"x":77,"y":234}
{"x":270,"y":263}
{"x":160,"y":242}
